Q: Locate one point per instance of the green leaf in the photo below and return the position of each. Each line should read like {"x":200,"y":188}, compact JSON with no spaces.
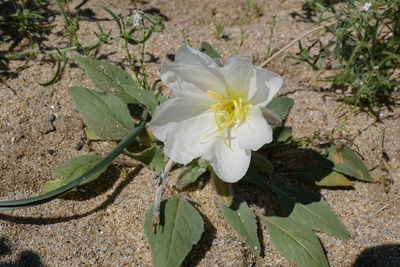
{"x":271,"y":117}
{"x":303,"y":206}
{"x":91,"y":135}
{"x":320,"y":172}
{"x":347,"y":162}
{"x":242,"y":219}
{"x":260,"y":162}
{"x":73,"y":168}
{"x":314,"y":174}
{"x":152,"y":157}
{"x":180,"y":228}
{"x":252,"y":176}
{"x":281,"y":134}
{"x":81,"y":4}
{"x":108,"y":77}
{"x":206,"y":48}
{"x":191,"y":173}
{"x":160,"y":98}
{"x":311,"y":210}
{"x":223,"y":189}
{"x":280,"y":106}
{"x":147,"y":98}
{"x":295,"y":241}
{"x":115,"y":17}
{"x":334,"y":179}
{"x":106,"y":115}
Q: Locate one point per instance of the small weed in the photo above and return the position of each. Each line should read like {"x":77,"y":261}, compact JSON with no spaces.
{"x":271,"y":35}
{"x":19,"y":20}
{"x":186,"y":36}
{"x":257,"y":10}
{"x":219,"y":29}
{"x":31,"y":22}
{"x":243,"y":21}
{"x":23,"y":20}
{"x":313,"y":7}
{"x":364,"y":52}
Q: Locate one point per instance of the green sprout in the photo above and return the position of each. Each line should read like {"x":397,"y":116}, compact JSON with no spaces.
{"x":219,"y":28}
{"x":363,"y":54}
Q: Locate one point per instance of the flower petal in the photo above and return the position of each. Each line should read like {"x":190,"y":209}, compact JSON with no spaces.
{"x":229,"y":165}
{"x":190,"y":56}
{"x":263,"y":86}
{"x":181,"y":123}
{"x":237,"y":72}
{"x":255,"y":131}
{"x":192,"y":80}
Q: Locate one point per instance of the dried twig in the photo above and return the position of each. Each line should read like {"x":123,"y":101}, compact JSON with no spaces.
{"x":127,"y":163}
{"x":381,"y":209}
{"x":295,"y":41}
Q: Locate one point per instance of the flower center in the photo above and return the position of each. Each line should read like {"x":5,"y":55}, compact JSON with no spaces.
{"x":227,"y":112}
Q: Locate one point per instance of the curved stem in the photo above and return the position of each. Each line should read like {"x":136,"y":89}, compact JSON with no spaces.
{"x":41,"y":199}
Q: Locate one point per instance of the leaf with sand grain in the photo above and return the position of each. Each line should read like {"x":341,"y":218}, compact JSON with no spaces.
{"x":242,"y":219}
{"x":180,"y":228}
{"x":106,"y":115}
{"x":72,"y":169}
{"x":295,"y":241}
{"x":347,"y":162}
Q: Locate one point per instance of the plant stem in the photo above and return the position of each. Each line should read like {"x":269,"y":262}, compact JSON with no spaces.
{"x":157,"y":199}
{"x":271,"y":32}
{"x":136,"y":73}
{"x":144,"y":81}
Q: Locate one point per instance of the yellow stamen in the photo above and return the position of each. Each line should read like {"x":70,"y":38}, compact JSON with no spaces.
{"x":227,"y":111}
{"x":213,"y":94}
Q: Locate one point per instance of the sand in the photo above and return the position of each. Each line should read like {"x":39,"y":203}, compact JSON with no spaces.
{"x":101,"y":224}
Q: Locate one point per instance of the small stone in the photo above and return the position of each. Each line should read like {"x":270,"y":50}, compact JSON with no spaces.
{"x":79,"y":146}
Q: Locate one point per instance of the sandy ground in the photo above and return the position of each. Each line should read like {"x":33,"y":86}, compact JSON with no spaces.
{"x":102,"y":224}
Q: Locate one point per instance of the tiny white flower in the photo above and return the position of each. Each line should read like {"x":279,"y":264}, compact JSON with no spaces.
{"x":388,"y":37}
{"x":215,"y":112}
{"x":366,"y":6}
{"x":137,"y":18}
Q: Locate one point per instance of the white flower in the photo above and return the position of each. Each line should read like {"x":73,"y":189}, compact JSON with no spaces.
{"x":366,"y":6}
{"x":388,"y":37}
{"x":215,"y":111}
{"x":137,"y":18}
